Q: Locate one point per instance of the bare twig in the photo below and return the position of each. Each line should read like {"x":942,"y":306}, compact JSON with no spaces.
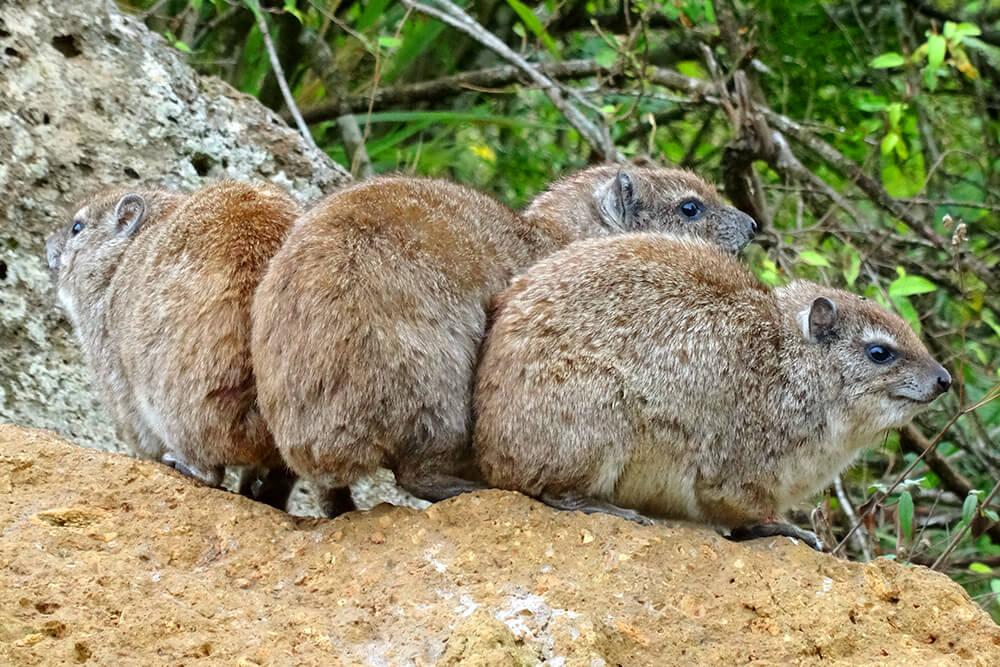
{"x":458,"y":19}
{"x":860,"y":538}
{"x":435,"y":89}
{"x":279,"y":74}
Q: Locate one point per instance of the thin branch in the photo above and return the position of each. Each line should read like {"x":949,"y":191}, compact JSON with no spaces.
{"x":860,"y":538}
{"x":279,"y":74}
{"x":458,"y":19}
{"x":435,"y":89}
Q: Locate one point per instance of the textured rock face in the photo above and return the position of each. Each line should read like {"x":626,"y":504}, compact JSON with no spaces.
{"x":109,"y":560}
{"x":88,"y":98}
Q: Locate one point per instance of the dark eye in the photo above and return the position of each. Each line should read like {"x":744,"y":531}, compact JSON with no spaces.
{"x":77,"y":227}
{"x":691,"y":209}
{"x":880,"y":354}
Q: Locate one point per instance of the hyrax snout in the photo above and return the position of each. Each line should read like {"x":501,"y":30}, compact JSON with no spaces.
{"x":368,"y":322}
{"x":649,"y":375}
{"x":158,"y":287}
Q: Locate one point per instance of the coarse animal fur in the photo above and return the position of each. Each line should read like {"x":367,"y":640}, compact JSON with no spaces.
{"x":158,"y":287}
{"x":368,"y":322}
{"x":650,"y":375}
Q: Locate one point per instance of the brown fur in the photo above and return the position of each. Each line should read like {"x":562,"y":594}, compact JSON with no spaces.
{"x":368,"y":322}
{"x":655,"y":374}
{"x":162,"y":313}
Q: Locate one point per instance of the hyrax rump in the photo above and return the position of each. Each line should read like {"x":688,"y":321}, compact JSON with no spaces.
{"x":158,"y":287}
{"x":368,"y":322}
{"x":645,"y":375}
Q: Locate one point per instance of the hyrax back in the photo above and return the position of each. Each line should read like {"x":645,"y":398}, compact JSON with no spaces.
{"x":656,"y":374}
{"x":368,"y":322}
{"x":158,"y":287}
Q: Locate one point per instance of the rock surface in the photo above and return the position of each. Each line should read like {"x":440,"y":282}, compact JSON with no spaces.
{"x":88,"y":98}
{"x":109,"y":560}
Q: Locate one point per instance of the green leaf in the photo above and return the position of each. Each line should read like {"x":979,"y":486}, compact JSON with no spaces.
{"x":181,"y":46}
{"x":995,"y":586}
{"x":606,"y":56}
{"x":294,"y":11}
{"x":889,"y":142}
{"x":908,"y":312}
{"x":813,"y":258}
{"x":963,"y":30}
{"x":890,"y":59}
{"x":895,"y":111}
{"x":390,"y":42}
{"x":534,"y":25}
{"x":901,"y":150}
{"x":990,"y":319}
{"x":937,"y":46}
{"x":906,"y":513}
{"x":768,"y":272}
{"x":982,"y":568}
{"x":908,"y":285}
{"x":991,"y":515}
{"x":969,"y":507}
{"x":853,"y":269}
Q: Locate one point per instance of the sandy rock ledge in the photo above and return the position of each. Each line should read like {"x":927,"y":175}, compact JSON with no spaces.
{"x":108,"y":560}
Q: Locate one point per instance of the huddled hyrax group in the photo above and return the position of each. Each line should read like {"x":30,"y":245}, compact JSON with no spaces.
{"x":631,"y":364}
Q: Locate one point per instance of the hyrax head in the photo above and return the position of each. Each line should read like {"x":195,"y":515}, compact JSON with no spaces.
{"x":653,"y":199}
{"x":84,"y":252}
{"x":885,"y":373}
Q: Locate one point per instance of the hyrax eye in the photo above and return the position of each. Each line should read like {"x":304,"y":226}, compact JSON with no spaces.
{"x":880,"y":354}
{"x":691,"y":209}
{"x":77,"y":227}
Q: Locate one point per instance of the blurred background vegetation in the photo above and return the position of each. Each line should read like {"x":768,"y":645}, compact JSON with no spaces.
{"x":864,"y":136}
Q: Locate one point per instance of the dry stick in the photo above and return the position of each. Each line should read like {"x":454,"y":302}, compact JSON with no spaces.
{"x":282,"y":83}
{"x":435,"y":89}
{"x":875,"y":502}
{"x":459,"y":20}
{"x":861,"y":537}
{"x":965,"y":529}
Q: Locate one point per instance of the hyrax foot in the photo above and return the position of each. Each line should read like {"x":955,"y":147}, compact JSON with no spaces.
{"x":773,"y":529}
{"x":212,"y":477}
{"x":587,"y":505}
{"x":438,"y":487}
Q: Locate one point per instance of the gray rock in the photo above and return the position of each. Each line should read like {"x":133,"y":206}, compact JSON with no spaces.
{"x":90,"y":97}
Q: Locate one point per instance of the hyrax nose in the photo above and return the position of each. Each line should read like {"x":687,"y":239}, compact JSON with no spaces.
{"x":943,"y":380}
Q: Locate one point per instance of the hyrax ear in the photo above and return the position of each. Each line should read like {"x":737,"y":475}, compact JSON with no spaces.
{"x":130,"y":213}
{"x":819,"y":321}
{"x":615,"y":200}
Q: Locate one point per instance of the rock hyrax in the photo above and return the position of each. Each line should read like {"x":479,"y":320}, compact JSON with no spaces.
{"x":656,"y":375}
{"x":368,"y":322}
{"x":158,"y":287}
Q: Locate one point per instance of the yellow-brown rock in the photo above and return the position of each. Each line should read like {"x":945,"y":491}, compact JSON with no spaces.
{"x":106,"y":560}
